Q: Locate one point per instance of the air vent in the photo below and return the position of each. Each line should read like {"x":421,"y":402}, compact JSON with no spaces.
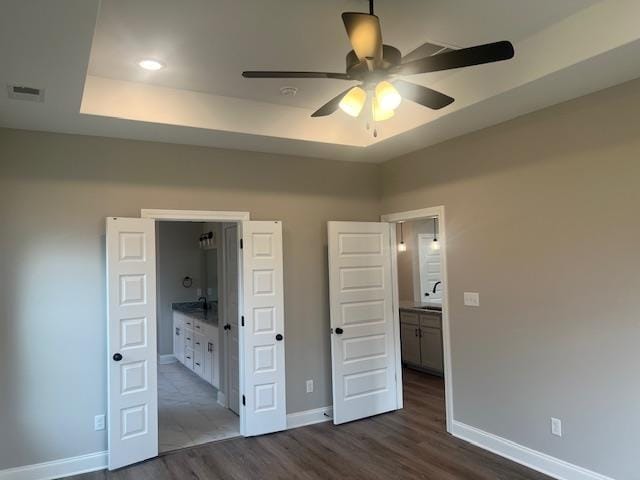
{"x":21,"y":92}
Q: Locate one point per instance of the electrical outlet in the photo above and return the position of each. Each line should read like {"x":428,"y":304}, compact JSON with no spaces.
{"x":471,"y":299}
{"x":309,"y":386}
{"x":98,"y":422}
{"x":199,"y":292}
{"x":556,"y":427}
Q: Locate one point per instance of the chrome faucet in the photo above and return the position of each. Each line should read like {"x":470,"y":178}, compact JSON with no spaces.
{"x":205,"y":305}
{"x":436,"y":286}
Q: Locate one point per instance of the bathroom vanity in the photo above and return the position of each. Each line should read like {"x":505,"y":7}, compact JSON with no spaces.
{"x":196,"y":341}
{"x":421,"y":337}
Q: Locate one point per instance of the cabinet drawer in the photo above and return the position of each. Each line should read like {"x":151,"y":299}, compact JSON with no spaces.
{"x":410,"y":318}
{"x":188,"y":358}
{"x":431,"y":321}
{"x":188,"y":340}
{"x":188,"y":323}
{"x":198,"y":362}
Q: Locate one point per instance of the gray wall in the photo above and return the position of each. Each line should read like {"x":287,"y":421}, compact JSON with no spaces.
{"x":56,"y":191}
{"x":178,"y":256}
{"x":557,"y":332}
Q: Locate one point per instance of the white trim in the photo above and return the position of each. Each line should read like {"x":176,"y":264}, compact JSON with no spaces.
{"x":309,"y":417}
{"x":411,"y":215}
{"x":446,"y":336}
{"x":396,"y":315}
{"x":167,"y":359}
{"x":538,"y":461}
{"x":64,"y":467}
{"x":194,"y":215}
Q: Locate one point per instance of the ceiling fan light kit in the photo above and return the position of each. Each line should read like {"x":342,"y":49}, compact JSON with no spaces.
{"x":378,"y":68}
{"x":353,"y":102}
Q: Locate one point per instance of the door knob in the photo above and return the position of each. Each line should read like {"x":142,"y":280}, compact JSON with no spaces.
{"x":339,"y":331}
{"x":279,"y":337}
{"x":117,"y":357}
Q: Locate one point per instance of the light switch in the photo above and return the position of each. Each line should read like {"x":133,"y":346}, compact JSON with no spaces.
{"x":471,"y":299}
{"x":199,"y":292}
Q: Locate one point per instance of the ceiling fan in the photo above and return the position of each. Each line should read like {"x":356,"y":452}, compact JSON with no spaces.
{"x":378,"y":67}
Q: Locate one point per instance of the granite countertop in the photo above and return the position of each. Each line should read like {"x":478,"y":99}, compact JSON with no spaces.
{"x":195,"y":310}
{"x":421,"y":306}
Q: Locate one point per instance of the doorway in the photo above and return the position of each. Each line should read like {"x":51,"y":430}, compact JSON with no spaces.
{"x":194,"y":320}
{"x":421,"y":306}
{"x":132,"y":330}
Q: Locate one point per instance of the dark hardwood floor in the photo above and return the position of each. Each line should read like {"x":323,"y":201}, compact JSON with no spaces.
{"x":406,"y":444}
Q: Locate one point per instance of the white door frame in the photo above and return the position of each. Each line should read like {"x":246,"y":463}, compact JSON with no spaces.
{"x":212,"y":216}
{"x":420,"y":214}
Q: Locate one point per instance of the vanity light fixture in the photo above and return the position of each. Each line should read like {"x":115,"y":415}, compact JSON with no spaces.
{"x":402,"y":247}
{"x":435,"y":245}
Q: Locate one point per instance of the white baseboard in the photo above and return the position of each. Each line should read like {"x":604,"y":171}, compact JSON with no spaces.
{"x":309,"y":417}
{"x":58,"y":468}
{"x":541,"y":462}
{"x":167,"y":359}
{"x":222,"y":399}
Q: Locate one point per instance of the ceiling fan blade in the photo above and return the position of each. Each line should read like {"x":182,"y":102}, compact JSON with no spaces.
{"x":465,"y":57}
{"x":422,"y":95}
{"x":276,"y":74}
{"x":425,"y":50}
{"x":364,"y":34}
{"x":331,"y":106}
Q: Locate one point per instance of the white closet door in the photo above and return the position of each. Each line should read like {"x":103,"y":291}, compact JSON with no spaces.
{"x":362,"y":344}
{"x":131,"y":317}
{"x":262,"y":336}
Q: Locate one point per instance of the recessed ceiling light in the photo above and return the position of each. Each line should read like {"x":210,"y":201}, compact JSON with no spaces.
{"x":149,"y":64}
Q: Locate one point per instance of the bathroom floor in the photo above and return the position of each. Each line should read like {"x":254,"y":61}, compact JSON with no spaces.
{"x":188,"y":410}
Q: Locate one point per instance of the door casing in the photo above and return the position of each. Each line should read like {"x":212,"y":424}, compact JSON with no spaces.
{"x":420,"y":214}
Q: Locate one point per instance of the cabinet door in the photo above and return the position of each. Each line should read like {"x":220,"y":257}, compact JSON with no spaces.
{"x":431,"y":348}
{"x":410,"y":343}
{"x":178,"y":338}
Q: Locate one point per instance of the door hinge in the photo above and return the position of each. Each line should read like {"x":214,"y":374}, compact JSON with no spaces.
{"x":244,"y":400}
{"x":242,"y":320}
{"x":241,"y":246}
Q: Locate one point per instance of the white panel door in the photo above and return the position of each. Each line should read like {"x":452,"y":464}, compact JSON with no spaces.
{"x":262,"y":336}
{"x":131,"y":317}
{"x":430,"y":266}
{"x":231,"y":288}
{"x":362,"y":345}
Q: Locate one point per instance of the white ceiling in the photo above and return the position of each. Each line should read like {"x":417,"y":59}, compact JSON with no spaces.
{"x":85,"y":54}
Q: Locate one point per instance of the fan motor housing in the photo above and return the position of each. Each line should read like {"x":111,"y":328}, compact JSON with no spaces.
{"x":357,"y":69}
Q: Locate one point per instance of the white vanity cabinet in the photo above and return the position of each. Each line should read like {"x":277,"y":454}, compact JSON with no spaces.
{"x":421,"y":340}
{"x":195,"y":345}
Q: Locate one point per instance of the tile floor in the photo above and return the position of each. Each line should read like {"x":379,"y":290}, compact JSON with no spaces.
{"x":188,"y":410}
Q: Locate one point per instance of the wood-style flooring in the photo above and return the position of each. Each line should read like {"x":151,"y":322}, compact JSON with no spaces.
{"x":407,"y":444}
